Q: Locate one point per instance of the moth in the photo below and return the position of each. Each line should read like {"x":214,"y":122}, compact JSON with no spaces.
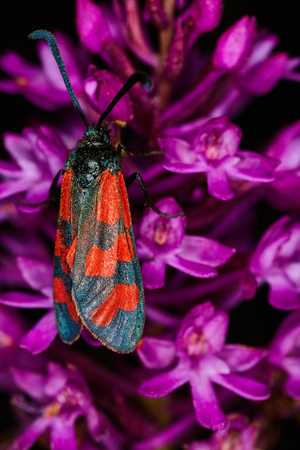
{"x":97,"y":276}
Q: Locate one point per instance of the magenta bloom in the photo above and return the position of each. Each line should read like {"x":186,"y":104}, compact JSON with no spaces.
{"x":37,"y":155}
{"x":215,"y":152}
{"x":200,"y":356}
{"x":100,"y":87}
{"x":38,"y":276}
{"x":283,"y":191}
{"x":276,"y":261}
{"x":285,"y":353}
{"x":43,"y":86}
{"x":57,"y":399}
{"x":164,"y":242}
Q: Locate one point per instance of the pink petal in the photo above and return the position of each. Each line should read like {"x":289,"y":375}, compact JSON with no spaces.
{"x":273,"y":239}
{"x":163,"y":384}
{"x":9,"y":188}
{"x":24,"y":300}
{"x":63,"y":434}
{"x":218,"y":185}
{"x":37,"y":193}
{"x":96,"y":424}
{"x":282,"y":295}
{"x":215,"y":330}
{"x":92,"y":27}
{"x":156,"y":353}
{"x":241,"y":358}
{"x":263,"y":77}
{"x":41,"y":335}
{"x":57,"y":378}
{"x":253,"y":167}
{"x":201,"y":17}
{"x":32,"y":383}
{"x":235,"y":44}
{"x":33,"y":432}
{"x":177,"y":150}
{"x":243,"y":386}
{"x":154,"y":273}
{"x":206,"y":405}
{"x":205,"y":251}
{"x":37,"y":273}
{"x":192,"y":268}
{"x":179,"y":167}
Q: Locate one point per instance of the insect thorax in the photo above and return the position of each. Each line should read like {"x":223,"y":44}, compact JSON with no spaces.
{"x":92,"y":155}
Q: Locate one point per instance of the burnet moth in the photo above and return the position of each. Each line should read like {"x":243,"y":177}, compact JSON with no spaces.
{"x":97,"y":276}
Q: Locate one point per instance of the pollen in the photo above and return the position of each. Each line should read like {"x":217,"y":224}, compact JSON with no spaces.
{"x":52,"y":410}
{"x":121,"y":123}
{"x":161,"y":233}
{"x":5,"y":340}
{"x":21,"y":81}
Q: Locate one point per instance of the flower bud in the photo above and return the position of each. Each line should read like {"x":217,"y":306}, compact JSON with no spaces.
{"x":235,"y":44}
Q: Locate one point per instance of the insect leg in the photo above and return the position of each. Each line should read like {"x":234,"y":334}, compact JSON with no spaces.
{"x":52,"y":189}
{"x":149,"y":203}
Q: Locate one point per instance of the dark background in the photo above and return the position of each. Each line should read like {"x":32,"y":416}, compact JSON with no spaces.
{"x":259,"y":122}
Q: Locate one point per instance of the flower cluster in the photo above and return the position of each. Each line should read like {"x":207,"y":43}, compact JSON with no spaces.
{"x":199,"y":269}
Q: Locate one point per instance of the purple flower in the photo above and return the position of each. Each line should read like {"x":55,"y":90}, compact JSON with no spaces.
{"x":283,"y":191}
{"x":164,"y":242}
{"x":235,"y":44}
{"x":199,"y":356}
{"x":238,"y":435}
{"x":285,"y":353}
{"x":215,"y":152}
{"x":110,"y":31}
{"x":38,"y":154}
{"x":43,"y":86}
{"x":276,"y":261}
{"x":38,"y":275}
{"x":100,"y":87}
{"x":58,"y":398}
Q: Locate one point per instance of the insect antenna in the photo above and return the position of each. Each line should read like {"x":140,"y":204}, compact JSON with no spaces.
{"x":47,"y":36}
{"x":143,"y":77}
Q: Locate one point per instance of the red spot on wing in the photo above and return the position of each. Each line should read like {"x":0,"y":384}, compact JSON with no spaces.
{"x":61,"y":296}
{"x":125,"y":248}
{"x":101,"y":263}
{"x":109,"y":206}
{"x":58,"y":243}
{"x":65,"y":196}
{"x":124,"y":201}
{"x":71,"y":254}
{"x":61,"y":251}
{"x":122,"y":297}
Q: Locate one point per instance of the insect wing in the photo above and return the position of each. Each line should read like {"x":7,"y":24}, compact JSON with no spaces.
{"x":68,"y":322}
{"x":107,"y":283}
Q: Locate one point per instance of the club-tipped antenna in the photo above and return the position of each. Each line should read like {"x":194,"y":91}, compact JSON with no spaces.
{"x":47,"y":36}
{"x":143,"y":77}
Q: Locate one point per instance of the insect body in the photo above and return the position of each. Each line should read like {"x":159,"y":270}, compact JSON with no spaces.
{"x":97,"y":277}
